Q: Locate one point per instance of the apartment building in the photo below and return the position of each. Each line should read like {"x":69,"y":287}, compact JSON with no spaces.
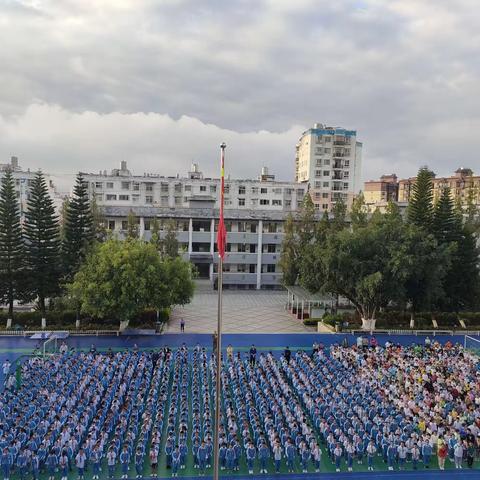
{"x":329,"y":160}
{"x":380,"y":192}
{"x":23,"y":181}
{"x":255,"y":211}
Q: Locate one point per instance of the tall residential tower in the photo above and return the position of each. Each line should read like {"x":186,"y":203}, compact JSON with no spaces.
{"x":329,"y":160}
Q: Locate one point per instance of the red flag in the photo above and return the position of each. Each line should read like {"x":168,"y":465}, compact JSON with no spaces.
{"x":222,"y":232}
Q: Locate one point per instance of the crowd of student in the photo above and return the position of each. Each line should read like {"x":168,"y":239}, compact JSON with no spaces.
{"x":119,"y":412}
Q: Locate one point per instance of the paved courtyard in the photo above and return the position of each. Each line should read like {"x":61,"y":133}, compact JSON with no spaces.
{"x":243,"y":312}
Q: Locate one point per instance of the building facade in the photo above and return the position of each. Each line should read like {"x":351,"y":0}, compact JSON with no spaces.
{"x":23,"y":182}
{"x":255,"y":211}
{"x":379,"y":192}
{"x":464,"y":186}
{"x":329,"y":160}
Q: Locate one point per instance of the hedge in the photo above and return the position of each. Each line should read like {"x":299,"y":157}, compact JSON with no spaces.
{"x":66,"y":319}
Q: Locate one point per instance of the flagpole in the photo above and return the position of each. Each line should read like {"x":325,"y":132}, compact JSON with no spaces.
{"x":218,"y":383}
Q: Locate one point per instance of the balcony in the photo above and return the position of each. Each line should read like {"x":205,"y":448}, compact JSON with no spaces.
{"x":340,"y":142}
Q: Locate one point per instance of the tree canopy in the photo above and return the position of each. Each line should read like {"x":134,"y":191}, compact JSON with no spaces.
{"x":121,"y":279}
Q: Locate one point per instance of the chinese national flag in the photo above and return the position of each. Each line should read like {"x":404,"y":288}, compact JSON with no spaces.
{"x":222,"y":232}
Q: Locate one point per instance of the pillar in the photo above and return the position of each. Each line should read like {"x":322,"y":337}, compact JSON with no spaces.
{"x":190,"y":236}
{"x":259,"y":254}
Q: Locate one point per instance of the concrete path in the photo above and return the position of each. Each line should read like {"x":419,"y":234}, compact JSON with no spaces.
{"x":243,"y":312}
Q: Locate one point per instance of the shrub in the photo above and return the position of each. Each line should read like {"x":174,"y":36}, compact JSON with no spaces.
{"x":311,"y":322}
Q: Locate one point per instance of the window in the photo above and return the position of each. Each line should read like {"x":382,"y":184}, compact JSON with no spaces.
{"x":318,"y":163}
{"x":325,"y":195}
{"x":124,"y":197}
{"x":346,"y":163}
{"x":241,"y":202}
{"x":288,"y":203}
{"x":253,"y":228}
{"x":147,"y":224}
{"x":326,"y":161}
{"x":252,"y":268}
{"x":254,"y":201}
{"x":178,"y":200}
{"x":242,"y":227}
{"x":328,"y":150}
{"x":241,"y":247}
{"x":178,"y":188}
{"x":149,"y":187}
{"x":227,"y":188}
{"x":325,"y":206}
{"x":319,"y":150}
{"x":98,"y":196}
{"x":203,"y":188}
{"x":164,"y":201}
{"x":99,"y":185}
{"x":271,"y":227}
{"x":345,"y":186}
{"x":149,"y":199}
{"x":277,"y":203}
{"x":241,"y":268}
{"x":111,"y":224}
{"x":188,"y":188}
{"x":163,"y":188}
{"x":213,"y":188}
{"x":346,"y":174}
{"x":288,"y":191}
{"x":277,"y":190}
{"x":263,"y":190}
{"x":326,"y":184}
{"x":271,"y":248}
{"x":109,"y":184}
{"x":317,"y":206}
{"x":317,"y":185}
{"x":326,"y":173}
{"x":111,"y":197}
{"x":124,"y":224}
{"x":318,"y":173}
{"x":135,"y":197}
{"x":125,"y":185}
{"x":327,"y":139}
{"x":253,"y":248}
{"x":271,"y":268}
{"x":241,"y":190}
{"x":136,"y":186}
{"x":264,"y":201}
{"x":300,"y":192}
{"x":254,"y":190}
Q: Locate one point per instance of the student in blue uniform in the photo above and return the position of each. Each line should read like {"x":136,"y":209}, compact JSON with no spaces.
{"x":168,"y":452}
{"x":195,"y":448}
{"x":125,"y":461}
{"x":139,"y":455}
{"x":426,"y":453}
{"x":277,"y":456}
{"x":6,"y":461}
{"x":95,"y":458}
{"x":202,"y":457}
{"x":337,"y":454}
{"x":51,"y":463}
{"x":263,"y":455}
{"x":290,"y":454}
{"x":111,"y":462}
{"x":80,"y":462}
{"x":22,"y":464}
{"x":175,"y":461}
{"x":63,"y":464}
{"x":251,"y":454}
{"x":35,"y":464}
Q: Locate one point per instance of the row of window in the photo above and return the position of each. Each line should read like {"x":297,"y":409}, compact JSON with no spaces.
{"x":178,"y":188}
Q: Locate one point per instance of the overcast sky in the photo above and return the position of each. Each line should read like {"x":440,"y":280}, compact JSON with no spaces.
{"x":161,"y":83}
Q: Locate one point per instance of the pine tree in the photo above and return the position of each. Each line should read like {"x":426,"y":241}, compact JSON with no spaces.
{"x":420,"y":209}
{"x":99,"y":225}
{"x":155,"y":238}
{"x":42,"y":242}
{"x":445,"y":225}
{"x":11,"y":245}
{"x":339,"y":214}
{"x":78,"y":234}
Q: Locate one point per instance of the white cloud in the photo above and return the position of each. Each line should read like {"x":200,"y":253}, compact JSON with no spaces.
{"x":403,"y":73}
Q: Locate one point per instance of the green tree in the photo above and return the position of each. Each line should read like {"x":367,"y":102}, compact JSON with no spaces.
{"x":11,"y":245}
{"x":78,"y":229}
{"x":289,"y":261}
{"x":42,"y":240}
{"x":444,"y":225}
{"x":339,"y":215}
{"x":132,"y":226}
{"x":358,"y":213}
{"x":99,"y":222}
{"x":170,"y":242}
{"x":155,"y":237}
{"x":420,"y":209}
{"x":121,"y":279}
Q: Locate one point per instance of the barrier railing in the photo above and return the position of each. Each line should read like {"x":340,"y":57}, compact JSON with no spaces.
{"x":431,"y":333}
{"x":27,"y":333}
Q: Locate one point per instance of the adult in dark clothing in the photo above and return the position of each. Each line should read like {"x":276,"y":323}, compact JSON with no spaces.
{"x":253,"y":355}
{"x":287,"y":354}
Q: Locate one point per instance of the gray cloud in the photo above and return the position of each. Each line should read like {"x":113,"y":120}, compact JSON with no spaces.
{"x":161,"y":83}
